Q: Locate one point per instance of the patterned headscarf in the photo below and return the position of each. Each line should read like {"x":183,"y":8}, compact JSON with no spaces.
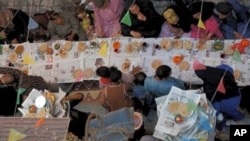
{"x":3,"y":20}
{"x":6,"y":19}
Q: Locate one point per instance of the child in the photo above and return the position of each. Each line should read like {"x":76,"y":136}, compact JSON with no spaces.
{"x":211,"y":29}
{"x":86,"y":19}
{"x":147,"y":101}
{"x":178,"y":21}
{"x":104,"y":73}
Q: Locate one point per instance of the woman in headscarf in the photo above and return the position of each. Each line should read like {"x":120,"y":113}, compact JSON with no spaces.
{"x":145,"y":21}
{"x":204,"y":11}
{"x":228,"y":102}
{"x":107,"y":14}
{"x":13,"y":26}
{"x":177,"y":21}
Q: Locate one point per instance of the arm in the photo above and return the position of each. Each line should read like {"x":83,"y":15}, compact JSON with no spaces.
{"x":15,"y":72}
{"x":240,"y":10}
{"x":98,"y":22}
{"x":129,"y":77}
{"x":212,"y":28}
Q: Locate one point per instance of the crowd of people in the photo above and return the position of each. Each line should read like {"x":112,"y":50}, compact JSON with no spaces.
{"x":196,"y":19}
{"x":223,"y":20}
{"x":133,"y":89}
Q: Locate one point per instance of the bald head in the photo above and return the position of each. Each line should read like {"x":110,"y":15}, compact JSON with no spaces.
{"x":7,"y":78}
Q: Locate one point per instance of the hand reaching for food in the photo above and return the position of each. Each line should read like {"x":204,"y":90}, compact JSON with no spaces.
{"x":135,"y":34}
{"x":135,"y":69}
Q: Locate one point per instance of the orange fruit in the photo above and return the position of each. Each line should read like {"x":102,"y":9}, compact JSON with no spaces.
{"x":50,"y":51}
{"x":244,"y":42}
{"x":116,"y":45}
{"x":177,"y":59}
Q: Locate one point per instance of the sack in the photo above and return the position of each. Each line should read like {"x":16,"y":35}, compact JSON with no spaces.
{"x":117,"y":125}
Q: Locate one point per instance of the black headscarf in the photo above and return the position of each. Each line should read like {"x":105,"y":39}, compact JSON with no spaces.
{"x":207,"y":10}
{"x":149,"y":28}
{"x":211,"y":77}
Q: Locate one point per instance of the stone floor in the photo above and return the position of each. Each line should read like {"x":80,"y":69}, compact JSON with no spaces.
{"x":151,"y":119}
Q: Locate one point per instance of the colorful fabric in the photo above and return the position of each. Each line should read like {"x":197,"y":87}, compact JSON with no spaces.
{"x":25,"y":81}
{"x":212,"y":26}
{"x":108,"y":18}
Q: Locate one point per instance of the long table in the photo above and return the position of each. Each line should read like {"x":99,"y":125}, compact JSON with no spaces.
{"x":63,"y":61}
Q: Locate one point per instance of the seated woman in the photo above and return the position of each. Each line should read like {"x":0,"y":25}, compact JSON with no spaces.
{"x":65,"y":25}
{"x":13,"y":26}
{"x":211,"y":28}
{"x":226,"y":103}
{"x":178,"y":21}
{"x":116,"y":95}
{"x":106,"y":15}
{"x":145,"y":21}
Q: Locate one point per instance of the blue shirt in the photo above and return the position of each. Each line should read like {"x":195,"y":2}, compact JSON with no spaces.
{"x":161,"y":87}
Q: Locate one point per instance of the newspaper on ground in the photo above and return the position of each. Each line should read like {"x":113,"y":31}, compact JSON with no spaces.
{"x":44,"y":104}
{"x":180,"y":114}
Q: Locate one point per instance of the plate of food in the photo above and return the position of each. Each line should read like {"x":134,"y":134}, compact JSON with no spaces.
{"x":177,"y":43}
{"x":156,"y":63}
{"x":125,"y":65}
{"x":19,"y":49}
{"x":138,"y":120}
{"x":182,"y":115}
{"x":166,"y":44}
{"x":81,"y":46}
{"x":129,"y":48}
{"x":43,"y":47}
{"x":68,"y":46}
{"x":187,"y":44}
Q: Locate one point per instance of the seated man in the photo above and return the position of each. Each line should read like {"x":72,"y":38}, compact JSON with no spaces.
{"x":162,"y":82}
{"x":65,"y":25}
{"x":18,"y":79}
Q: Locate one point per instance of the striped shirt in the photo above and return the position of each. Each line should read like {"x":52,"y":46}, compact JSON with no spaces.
{"x":25,"y":81}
